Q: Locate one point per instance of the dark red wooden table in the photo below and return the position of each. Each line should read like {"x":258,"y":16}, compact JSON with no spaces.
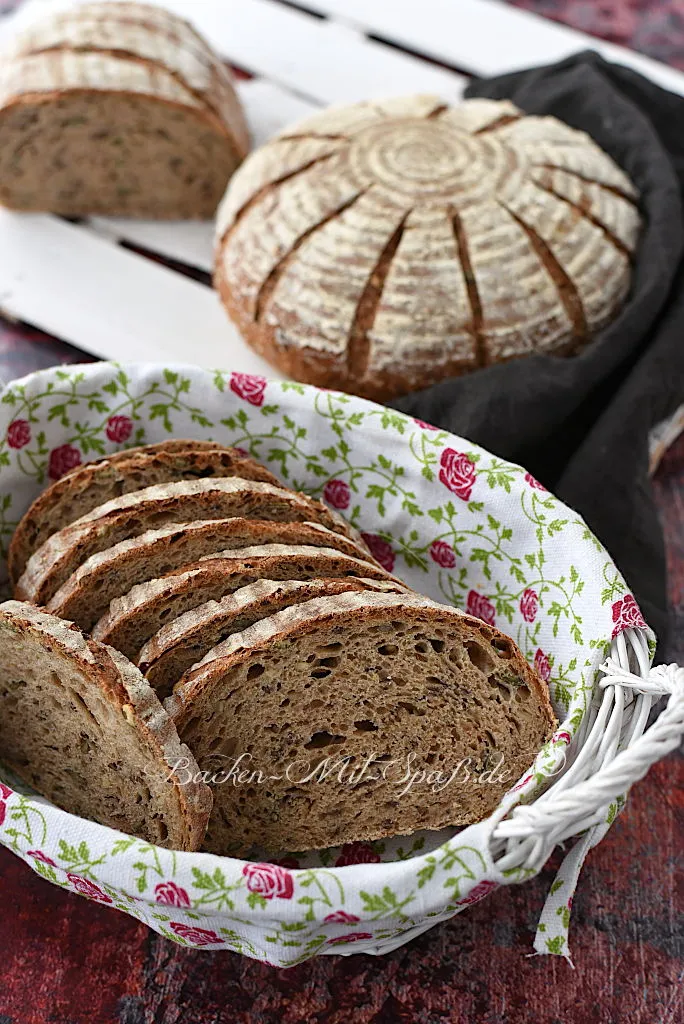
{"x":68,"y":961}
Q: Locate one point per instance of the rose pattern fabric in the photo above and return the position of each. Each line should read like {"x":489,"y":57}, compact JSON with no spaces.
{"x":341,"y":917}
{"x":477,"y":893}
{"x":443,"y":554}
{"x":423,"y":499}
{"x":19,"y":434}
{"x":626,"y":615}
{"x":357,"y":853}
{"x":248,"y":387}
{"x":337,"y":494}
{"x":352,"y":937}
{"x":87,"y":888}
{"x":42,"y":857}
{"x":269,"y":881}
{"x":423,"y":425}
{"x":562,"y":736}
{"x":529,"y":605}
{"x":534,"y":483}
{"x":542,"y":665}
{"x":457,"y":472}
{"x":62,"y":459}
{"x":481,"y":608}
{"x":119,"y":428}
{"x":194,"y":935}
{"x":171,"y":895}
{"x":380,"y":549}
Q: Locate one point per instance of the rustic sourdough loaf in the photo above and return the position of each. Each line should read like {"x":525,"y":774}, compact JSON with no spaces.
{"x":79,"y":723}
{"x":86,"y":595}
{"x":367,"y":676}
{"x":381,"y":247}
{"x":163,"y":504}
{"x":175,"y":648}
{"x":86,"y":487}
{"x":307,"y":554}
{"x":117,"y":109}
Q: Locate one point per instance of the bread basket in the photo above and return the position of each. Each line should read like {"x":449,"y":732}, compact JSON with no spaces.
{"x":456,"y":523}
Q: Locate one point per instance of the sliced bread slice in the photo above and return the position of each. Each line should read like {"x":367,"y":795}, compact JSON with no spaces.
{"x":87,"y":593}
{"x":86,"y":487}
{"x":132,"y":514}
{"x":201,"y":632}
{"x":339,"y":702}
{"x":80,"y":724}
{"x":133,"y":619}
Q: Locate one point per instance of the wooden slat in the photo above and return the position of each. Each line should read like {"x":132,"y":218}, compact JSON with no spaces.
{"x":111,"y":302}
{"x":269,"y":108}
{"x":483,"y":37}
{"x":323,"y":61}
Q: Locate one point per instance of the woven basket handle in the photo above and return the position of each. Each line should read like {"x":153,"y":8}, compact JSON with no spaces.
{"x":613,"y":753}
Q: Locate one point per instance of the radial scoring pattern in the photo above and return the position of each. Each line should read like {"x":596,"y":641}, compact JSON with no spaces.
{"x":381,"y":247}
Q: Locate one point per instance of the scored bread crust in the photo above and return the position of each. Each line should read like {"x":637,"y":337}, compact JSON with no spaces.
{"x":123,"y":63}
{"x":381,"y":247}
{"x":87,"y":593}
{"x":126,"y":690}
{"x":133,"y":619}
{"x":189,"y":639}
{"x":88,"y":486}
{"x":233,"y":703}
{"x":162,"y":504}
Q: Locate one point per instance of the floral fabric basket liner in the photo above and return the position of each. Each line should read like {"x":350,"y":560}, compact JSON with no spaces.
{"x":454,"y":522}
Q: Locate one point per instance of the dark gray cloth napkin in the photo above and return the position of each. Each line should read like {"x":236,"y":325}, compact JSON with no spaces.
{"x":581,"y":424}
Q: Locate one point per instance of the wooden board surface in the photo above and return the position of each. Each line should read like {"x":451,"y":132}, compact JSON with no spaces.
{"x":332,"y":51}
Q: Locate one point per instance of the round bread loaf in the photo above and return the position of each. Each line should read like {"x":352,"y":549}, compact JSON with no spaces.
{"x":381,"y":247}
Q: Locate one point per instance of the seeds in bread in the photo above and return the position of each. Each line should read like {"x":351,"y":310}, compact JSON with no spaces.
{"x":86,"y":487}
{"x":86,"y":595}
{"x":371,"y":677}
{"x":162,"y":504}
{"x":80,"y":724}
{"x":190,"y":638}
{"x":133,"y":619}
{"x":109,"y":114}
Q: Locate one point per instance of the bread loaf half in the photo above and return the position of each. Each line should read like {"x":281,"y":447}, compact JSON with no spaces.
{"x":394,"y":682}
{"x":201,"y":632}
{"x":79,"y":723}
{"x":117,"y":108}
{"x":86,"y":487}
{"x":86,"y":595}
{"x":134,"y":619}
{"x":382,"y":247}
{"x":163,"y":504}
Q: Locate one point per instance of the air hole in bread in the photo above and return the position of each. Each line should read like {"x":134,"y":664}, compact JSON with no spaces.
{"x":433,"y":681}
{"x":479,"y":656}
{"x":319,"y":740}
{"x":436,"y":645}
{"x":329,"y":662}
{"x":255,"y":671}
{"x":388,"y":649}
{"x":491,"y":737}
{"x":502,"y":646}
{"x":321,"y":673}
{"x":365,"y":725}
{"x":421,"y":647}
{"x":329,"y":649}
{"x":411,"y":708}
{"x":522,"y":694}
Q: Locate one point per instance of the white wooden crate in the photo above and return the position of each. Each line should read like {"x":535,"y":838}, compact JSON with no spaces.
{"x":80,"y":283}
